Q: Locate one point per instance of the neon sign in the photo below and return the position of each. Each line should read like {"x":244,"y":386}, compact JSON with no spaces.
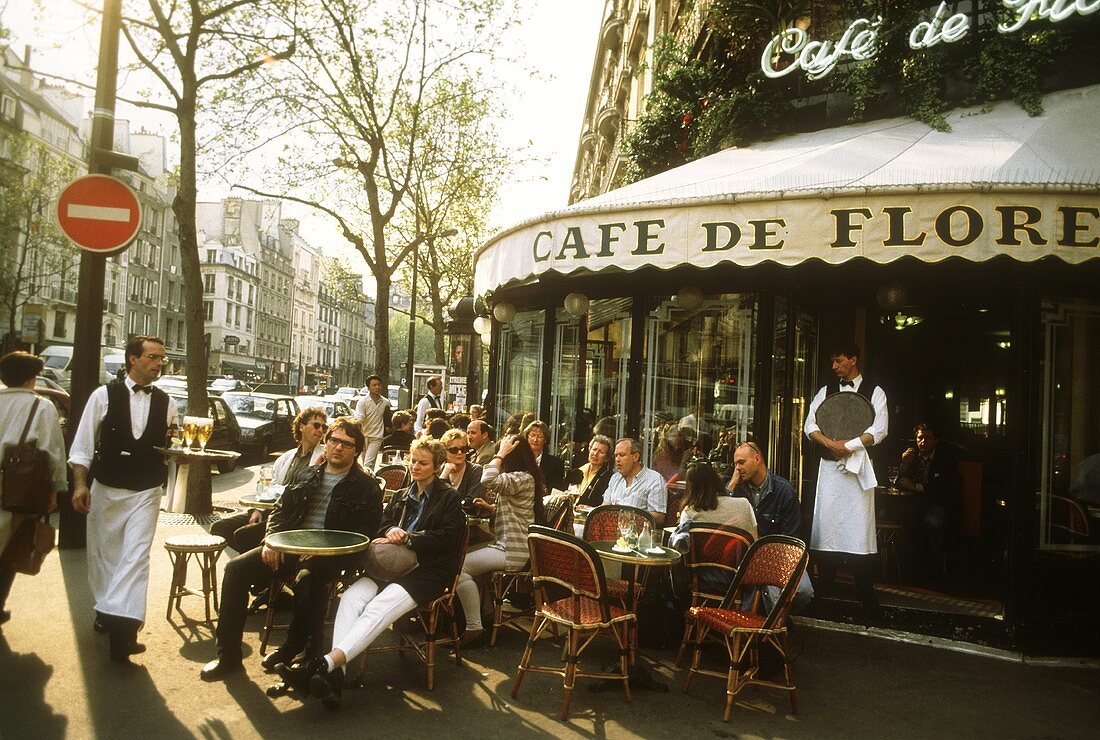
{"x":860,"y":40}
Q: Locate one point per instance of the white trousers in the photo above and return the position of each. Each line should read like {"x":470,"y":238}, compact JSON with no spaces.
{"x":370,"y":452}
{"x":477,"y":562}
{"x":365,"y":613}
{"x":121,"y":525}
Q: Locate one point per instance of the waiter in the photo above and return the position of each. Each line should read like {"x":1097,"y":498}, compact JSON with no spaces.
{"x":121,"y":424}
{"x":431,"y":400}
{"x":844,"y":509}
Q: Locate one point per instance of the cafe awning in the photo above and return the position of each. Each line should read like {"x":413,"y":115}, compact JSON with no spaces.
{"x":1000,"y":182}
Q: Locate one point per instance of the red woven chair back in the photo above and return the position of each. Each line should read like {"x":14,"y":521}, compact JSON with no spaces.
{"x":715,"y":547}
{"x":772,"y":564}
{"x":394,"y":476}
{"x":557,"y":557}
{"x":602,"y":524}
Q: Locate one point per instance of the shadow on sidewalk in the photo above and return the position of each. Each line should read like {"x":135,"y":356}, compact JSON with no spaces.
{"x":23,"y":679}
{"x":120,"y":699}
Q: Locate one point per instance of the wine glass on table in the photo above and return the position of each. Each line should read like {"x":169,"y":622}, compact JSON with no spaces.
{"x":626,"y":525}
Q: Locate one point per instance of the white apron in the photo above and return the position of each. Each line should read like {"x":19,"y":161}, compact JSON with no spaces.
{"x":844,"y":512}
{"x":121,"y":526}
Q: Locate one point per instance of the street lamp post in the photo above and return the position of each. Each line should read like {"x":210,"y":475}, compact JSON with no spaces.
{"x":430,"y":238}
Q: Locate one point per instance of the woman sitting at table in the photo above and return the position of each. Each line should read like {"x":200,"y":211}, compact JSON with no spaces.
{"x":428,"y":519}
{"x":464,"y":476}
{"x":706,"y":502}
{"x":596,"y":473}
{"x":537,"y":434}
{"x":513,"y":479}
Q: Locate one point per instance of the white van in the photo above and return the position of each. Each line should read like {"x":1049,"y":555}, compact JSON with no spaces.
{"x":59,"y":357}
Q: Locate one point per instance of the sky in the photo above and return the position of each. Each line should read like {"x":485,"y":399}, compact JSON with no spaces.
{"x":558,"y":39}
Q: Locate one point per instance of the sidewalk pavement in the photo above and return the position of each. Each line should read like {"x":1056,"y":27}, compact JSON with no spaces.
{"x":56,"y":681}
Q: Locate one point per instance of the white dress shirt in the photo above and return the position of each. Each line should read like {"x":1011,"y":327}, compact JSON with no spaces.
{"x":371,"y":415}
{"x":647,"y":490}
{"x":426,"y":403}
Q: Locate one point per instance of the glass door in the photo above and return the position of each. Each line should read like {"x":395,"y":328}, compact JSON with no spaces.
{"x":794,"y":353}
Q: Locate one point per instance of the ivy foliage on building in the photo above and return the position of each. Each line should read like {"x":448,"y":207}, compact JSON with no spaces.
{"x":713,"y":95}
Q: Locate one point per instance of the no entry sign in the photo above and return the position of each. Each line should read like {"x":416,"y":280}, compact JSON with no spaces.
{"x":99,"y":213}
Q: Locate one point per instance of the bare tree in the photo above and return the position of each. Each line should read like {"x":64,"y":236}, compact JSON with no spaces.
{"x":194,"y":49}
{"x":364,"y":85}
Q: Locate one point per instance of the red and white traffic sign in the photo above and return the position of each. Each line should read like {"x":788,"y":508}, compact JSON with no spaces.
{"x":99,"y":213}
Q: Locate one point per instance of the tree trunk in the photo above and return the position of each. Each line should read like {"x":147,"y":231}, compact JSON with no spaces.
{"x":438,"y":321}
{"x":382,"y":282}
{"x":184,"y":207}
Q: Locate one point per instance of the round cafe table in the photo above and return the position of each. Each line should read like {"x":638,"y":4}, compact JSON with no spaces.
{"x":317,"y":542}
{"x":252,"y":501}
{"x":189,"y":488}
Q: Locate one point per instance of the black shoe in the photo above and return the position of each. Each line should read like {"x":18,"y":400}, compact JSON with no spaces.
{"x":327,"y":686}
{"x":272,"y":660}
{"x":298,"y":674}
{"x":99,"y":626}
{"x":5,"y":615}
{"x":220,"y":667}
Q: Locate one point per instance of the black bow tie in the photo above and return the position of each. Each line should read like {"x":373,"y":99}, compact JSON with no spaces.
{"x":142,"y":388}
{"x":844,"y":383}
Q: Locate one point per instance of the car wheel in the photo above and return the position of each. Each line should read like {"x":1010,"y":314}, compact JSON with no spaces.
{"x":227,"y":466}
{"x":265,"y":449}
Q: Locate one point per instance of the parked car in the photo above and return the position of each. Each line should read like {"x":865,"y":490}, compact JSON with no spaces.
{"x":219,"y":386}
{"x":346,"y":392}
{"x":280,"y":389}
{"x":172,"y":383}
{"x":227,"y":431}
{"x":333,"y":406}
{"x":58,"y":377}
{"x":59,"y":398}
{"x":265,"y":420}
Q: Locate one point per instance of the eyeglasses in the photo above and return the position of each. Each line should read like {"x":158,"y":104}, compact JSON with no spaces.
{"x":154,"y":358}
{"x":318,"y":425}
{"x":347,"y":444}
{"x":457,"y":450}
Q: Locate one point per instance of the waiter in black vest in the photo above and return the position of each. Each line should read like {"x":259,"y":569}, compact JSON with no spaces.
{"x":118,"y":481}
{"x":431,"y":400}
{"x":844,"y":508}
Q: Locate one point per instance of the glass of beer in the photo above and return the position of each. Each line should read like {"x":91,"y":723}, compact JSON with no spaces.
{"x":203,"y":432}
{"x":190,"y":429}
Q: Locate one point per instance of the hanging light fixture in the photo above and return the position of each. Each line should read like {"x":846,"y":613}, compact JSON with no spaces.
{"x":504,"y":312}
{"x":689,"y":298}
{"x":486,"y":339}
{"x":483,"y":325}
{"x":576,"y":303}
{"x":892,"y":296}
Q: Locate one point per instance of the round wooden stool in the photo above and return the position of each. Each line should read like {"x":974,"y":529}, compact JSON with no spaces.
{"x":206,"y":548}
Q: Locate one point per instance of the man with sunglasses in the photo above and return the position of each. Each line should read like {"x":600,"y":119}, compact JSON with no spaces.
{"x":245,"y":531}
{"x":337,"y":494}
{"x":118,"y":480}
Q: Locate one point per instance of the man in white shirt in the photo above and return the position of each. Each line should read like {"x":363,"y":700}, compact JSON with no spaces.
{"x":431,"y":400}
{"x":844,"y":509}
{"x":121,"y":424}
{"x":633,"y":484}
{"x":371,"y":413}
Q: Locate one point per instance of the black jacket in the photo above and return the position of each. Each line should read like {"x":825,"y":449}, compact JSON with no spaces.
{"x":779,"y":511}
{"x":593,"y":495}
{"x":553,"y":471}
{"x":437,"y":542}
{"x":355,"y":506}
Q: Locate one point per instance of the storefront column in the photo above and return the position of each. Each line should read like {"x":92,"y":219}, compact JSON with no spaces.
{"x":639,"y":312}
{"x":546,"y":389}
{"x":765,"y":338}
{"x":492,"y":378}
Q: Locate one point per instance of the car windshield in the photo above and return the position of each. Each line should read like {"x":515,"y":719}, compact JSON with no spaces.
{"x":245,"y":405}
{"x":56,"y":361}
{"x":227,"y":383}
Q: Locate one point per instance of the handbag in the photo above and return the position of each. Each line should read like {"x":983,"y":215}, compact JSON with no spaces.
{"x":27,"y":487}
{"x":388,"y":561}
{"x":28,"y":547}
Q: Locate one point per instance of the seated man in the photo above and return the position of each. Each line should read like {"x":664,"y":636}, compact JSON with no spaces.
{"x":336,"y":495}
{"x":428,"y":519}
{"x":245,"y":531}
{"x":401,"y":436}
{"x":633,"y":484}
{"x":932,"y":472}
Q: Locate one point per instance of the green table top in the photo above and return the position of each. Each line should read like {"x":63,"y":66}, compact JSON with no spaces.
{"x":253,"y":502}
{"x":317,"y":541}
{"x":666,"y":556}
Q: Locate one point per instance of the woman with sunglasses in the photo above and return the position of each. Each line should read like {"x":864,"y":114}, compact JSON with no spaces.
{"x":246,"y":530}
{"x":513,"y":480}
{"x":464,"y":476}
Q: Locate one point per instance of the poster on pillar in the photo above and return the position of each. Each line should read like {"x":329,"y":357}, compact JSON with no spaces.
{"x":458,"y":368}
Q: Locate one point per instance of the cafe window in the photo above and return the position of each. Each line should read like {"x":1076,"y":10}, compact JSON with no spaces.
{"x":699,"y":381}
{"x":589,"y":390}
{"x":1069,"y":487}
{"x":520,"y":374}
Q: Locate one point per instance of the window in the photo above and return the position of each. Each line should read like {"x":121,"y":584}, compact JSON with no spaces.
{"x":209,"y":281}
{"x":521,"y":367}
{"x":211,"y":256}
{"x":59,"y":321}
{"x":8,"y":109}
{"x":1069,"y":483}
{"x":208,"y":310}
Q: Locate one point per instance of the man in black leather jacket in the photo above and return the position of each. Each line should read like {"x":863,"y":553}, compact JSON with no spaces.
{"x":337,"y":494}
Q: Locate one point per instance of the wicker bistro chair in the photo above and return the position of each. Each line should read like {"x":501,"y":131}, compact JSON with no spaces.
{"x":507,"y":582}
{"x":422,"y":637}
{"x":561,"y":559}
{"x":396,"y":477}
{"x":776,"y":560}
{"x":714,"y":552}
{"x":276,"y":586}
{"x":602,"y":525}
